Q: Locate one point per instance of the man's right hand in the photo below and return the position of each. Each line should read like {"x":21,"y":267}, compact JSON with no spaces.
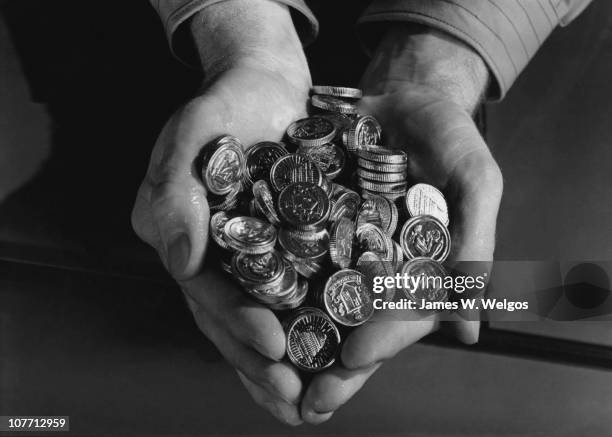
{"x":257,"y":83}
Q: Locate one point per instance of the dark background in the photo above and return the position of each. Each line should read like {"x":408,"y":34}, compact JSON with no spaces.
{"x":90,"y":325}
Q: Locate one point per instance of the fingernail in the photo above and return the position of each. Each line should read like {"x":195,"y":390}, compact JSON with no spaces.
{"x":178,"y":255}
{"x":314,"y":418}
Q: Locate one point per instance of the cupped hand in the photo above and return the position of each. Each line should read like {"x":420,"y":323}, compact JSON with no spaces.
{"x":445,"y":149}
{"x":254,"y":100}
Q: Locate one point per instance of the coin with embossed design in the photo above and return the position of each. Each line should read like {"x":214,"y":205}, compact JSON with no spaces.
{"x":425,"y":236}
{"x":337,"y":91}
{"x":256,"y":270}
{"x":295,"y":167}
{"x":333,"y":104}
{"x":250,"y":234}
{"x":424,"y":199}
{"x":304,"y":245}
{"x":382,"y":155}
{"x":313,"y":341}
{"x":341,"y":242}
{"x":344,"y":203}
{"x":380,"y":212}
{"x":371,"y":238}
{"x":347,"y":298}
{"x":217,"y":228}
{"x":304,"y":205}
{"x":223,"y":165}
{"x":329,"y":157}
{"x":365,"y":130}
{"x":264,"y":201}
{"x":261,"y":157}
{"x":311,"y":131}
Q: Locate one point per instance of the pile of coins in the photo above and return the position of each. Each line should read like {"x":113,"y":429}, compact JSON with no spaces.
{"x":307,"y":224}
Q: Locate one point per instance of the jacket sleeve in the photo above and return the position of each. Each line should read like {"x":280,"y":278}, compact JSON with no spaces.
{"x":506,"y":33}
{"x":173,"y":13}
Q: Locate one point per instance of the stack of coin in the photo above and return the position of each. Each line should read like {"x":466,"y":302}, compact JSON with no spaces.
{"x":382,"y":171}
{"x":304,"y":209}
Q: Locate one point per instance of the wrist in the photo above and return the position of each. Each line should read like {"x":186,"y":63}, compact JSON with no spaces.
{"x":412,"y":55}
{"x":247,"y":32}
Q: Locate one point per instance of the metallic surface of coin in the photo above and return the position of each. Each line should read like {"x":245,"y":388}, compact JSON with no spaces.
{"x":217,"y":228}
{"x":333,"y":104}
{"x":425,"y":199}
{"x":380,"y":212}
{"x":347,"y":298}
{"x":297,"y":299}
{"x":431,"y":285}
{"x":294,"y":168}
{"x":371,"y":238}
{"x":260,"y":157}
{"x":341,"y":242}
{"x":383,"y":155}
{"x":330,"y":158}
{"x":311,"y":131}
{"x":249,"y":234}
{"x":313,"y":341}
{"x":344,"y":203}
{"x":264,"y":201}
{"x":366,"y":194}
{"x":304,"y":205}
{"x":223,"y":165}
{"x":259,"y":269}
{"x":365,"y":130}
{"x":425,"y":236}
{"x":337,"y":91}
{"x":380,"y":187}
{"x":381,"y":177}
{"x":227,"y":202}
{"x":341,"y":121}
{"x":382,"y":168}
{"x":304,"y":246}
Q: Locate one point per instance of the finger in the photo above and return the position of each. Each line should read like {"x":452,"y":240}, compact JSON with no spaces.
{"x":378,"y":341}
{"x":476,"y":202}
{"x":224,"y":303}
{"x":278,"y":378}
{"x":330,"y":390}
{"x":283,"y":411}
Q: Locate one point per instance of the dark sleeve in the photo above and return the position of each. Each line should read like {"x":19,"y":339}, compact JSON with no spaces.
{"x":506,"y":33}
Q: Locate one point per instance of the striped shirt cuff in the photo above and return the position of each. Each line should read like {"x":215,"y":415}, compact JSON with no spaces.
{"x":173,"y":13}
{"x":506,"y":33}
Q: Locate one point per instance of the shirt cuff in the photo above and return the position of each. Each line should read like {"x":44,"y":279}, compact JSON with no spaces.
{"x":506,"y":34}
{"x":173,"y":13}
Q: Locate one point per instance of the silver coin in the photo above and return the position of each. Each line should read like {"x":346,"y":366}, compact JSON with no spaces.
{"x":380,"y":187}
{"x":344,"y":203}
{"x":365,"y":130}
{"x":295,"y":168}
{"x":226,"y":203}
{"x":304,"y":205}
{"x":371,"y":238}
{"x":347,"y":298}
{"x":249,"y":234}
{"x":333,"y":104}
{"x":298,"y":298}
{"x":425,"y":236}
{"x":313,"y":341}
{"x":431,"y":283}
{"x":424,"y":199}
{"x":330,"y":158}
{"x":311,"y":246}
{"x":311,"y":131}
{"x":341,"y":242}
{"x":261,"y":157}
{"x":223,"y":165}
{"x":382,"y":168}
{"x":382,"y":155}
{"x":264,"y":201}
{"x":337,"y":91}
{"x":341,"y":121}
{"x":253,"y":271}
{"x":217,"y":229}
{"x":380,"y":212}
{"x":366,"y":194}
{"x":381,"y":177}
